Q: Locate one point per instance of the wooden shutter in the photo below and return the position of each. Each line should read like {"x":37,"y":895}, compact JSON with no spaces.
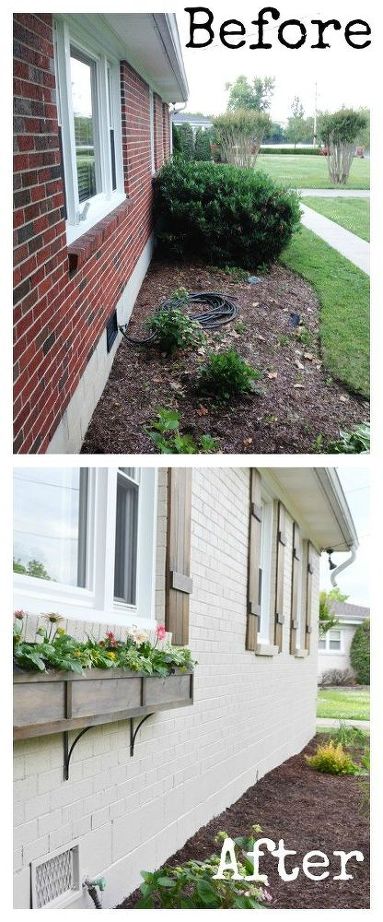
{"x":178,"y":582}
{"x":295,"y":577}
{"x":254,"y":560}
{"x":280,"y":577}
{"x":309,"y":595}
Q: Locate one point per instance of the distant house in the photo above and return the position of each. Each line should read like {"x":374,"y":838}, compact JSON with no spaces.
{"x":334,"y":648}
{"x":92,"y":127}
{"x":228,"y":559}
{"x":196,"y":121}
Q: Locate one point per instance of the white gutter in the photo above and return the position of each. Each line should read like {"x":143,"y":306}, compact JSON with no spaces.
{"x":342,"y":566}
{"x":167,"y":29}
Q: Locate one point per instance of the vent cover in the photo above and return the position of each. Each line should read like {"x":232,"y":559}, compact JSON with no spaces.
{"x":55,"y":879}
{"x":111,"y":331}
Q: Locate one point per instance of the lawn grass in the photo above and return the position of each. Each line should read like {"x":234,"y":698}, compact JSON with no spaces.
{"x":351,"y":213}
{"x":303,"y":171}
{"x":344,"y":704}
{"x":343,"y":292}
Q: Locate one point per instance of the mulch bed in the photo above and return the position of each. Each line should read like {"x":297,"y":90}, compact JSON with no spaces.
{"x":309,"y":811}
{"x":299,"y":399}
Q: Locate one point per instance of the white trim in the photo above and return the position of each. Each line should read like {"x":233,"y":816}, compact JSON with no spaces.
{"x":327,"y":650}
{"x":267,"y":527}
{"x":266,"y":649}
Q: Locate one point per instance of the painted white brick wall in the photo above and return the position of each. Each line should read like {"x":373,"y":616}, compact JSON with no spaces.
{"x":250,"y":714}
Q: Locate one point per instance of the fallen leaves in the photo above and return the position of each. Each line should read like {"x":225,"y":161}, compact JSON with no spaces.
{"x":202,"y":411}
{"x":272,"y":374}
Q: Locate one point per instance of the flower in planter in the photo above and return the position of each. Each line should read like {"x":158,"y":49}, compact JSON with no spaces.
{"x":19,"y":614}
{"x":112,"y":641}
{"x":53,"y":618}
{"x":160,"y":631}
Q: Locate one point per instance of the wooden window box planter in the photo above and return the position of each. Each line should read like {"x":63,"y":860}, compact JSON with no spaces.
{"x":57,"y":702}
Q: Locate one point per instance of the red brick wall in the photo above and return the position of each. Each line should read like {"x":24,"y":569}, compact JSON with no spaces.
{"x":59,"y":317}
{"x":158,"y":132}
{"x":166,"y":130}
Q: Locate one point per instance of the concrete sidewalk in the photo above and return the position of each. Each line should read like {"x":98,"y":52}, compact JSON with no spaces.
{"x":335,"y":193}
{"x":323,"y":722}
{"x":349,"y":245}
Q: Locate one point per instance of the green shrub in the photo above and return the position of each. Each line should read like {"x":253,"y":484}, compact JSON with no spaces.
{"x":226,"y":374}
{"x":351,"y":442}
{"x":202,"y":148}
{"x":186,"y":139}
{"x":191,"y":885}
{"x":164,"y":432}
{"x":332,"y":759}
{"x":222,"y":214}
{"x":173,"y":328}
{"x":307,"y":151}
{"x":360,"y":653}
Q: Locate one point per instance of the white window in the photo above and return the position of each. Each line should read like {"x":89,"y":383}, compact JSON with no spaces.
{"x":331,"y":642}
{"x":84,"y":542}
{"x":265,"y":570}
{"x":89,"y":114}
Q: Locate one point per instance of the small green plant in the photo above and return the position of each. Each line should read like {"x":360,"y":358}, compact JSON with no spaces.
{"x":226,"y":374}
{"x":351,"y":442}
{"x":164,"y":432}
{"x":332,"y":759}
{"x":191,"y":885}
{"x":283,"y":340}
{"x":303,"y":335}
{"x":236,"y":273}
{"x":173,"y":328}
{"x":348,"y":736}
{"x":240,"y":327}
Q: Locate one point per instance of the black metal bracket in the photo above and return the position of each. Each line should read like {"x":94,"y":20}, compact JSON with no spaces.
{"x":134,"y":731}
{"x":68,"y":750}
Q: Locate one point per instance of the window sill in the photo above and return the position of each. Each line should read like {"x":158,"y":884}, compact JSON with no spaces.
{"x":81,"y":249}
{"x":266,"y":649}
{"x":301,"y":654}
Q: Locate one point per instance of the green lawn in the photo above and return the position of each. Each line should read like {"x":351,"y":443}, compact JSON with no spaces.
{"x":344,"y":704}
{"x":351,"y":213}
{"x":303,"y":171}
{"x":343,"y":292}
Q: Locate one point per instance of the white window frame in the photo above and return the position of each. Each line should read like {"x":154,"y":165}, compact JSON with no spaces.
{"x":96,"y":602}
{"x":327,"y":649}
{"x":266,"y":554}
{"x":81,"y":217}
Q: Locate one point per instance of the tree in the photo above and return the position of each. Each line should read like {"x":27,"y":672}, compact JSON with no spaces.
{"x":363,"y":137}
{"x":202,"y":148}
{"x":255,"y":96}
{"x":239,"y":135}
{"x":186,"y":136}
{"x":327,"y":620}
{"x":275,"y":133}
{"x":339,"y":131}
{"x":32,"y":568}
{"x":176,"y":140}
{"x":360,"y":653}
{"x":300,"y":130}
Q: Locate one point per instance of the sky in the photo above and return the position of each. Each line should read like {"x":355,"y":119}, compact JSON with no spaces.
{"x":354,"y":581}
{"x":339,"y":81}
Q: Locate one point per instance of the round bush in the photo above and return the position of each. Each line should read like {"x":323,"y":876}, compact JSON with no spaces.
{"x":360,"y":653}
{"x":223,"y":214}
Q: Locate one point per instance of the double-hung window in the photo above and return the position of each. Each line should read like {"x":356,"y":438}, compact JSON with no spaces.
{"x":84,"y":542}
{"x":89,"y":116}
{"x":331,"y":642}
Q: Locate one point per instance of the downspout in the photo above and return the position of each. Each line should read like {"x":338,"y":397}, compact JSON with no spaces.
{"x":342,"y":566}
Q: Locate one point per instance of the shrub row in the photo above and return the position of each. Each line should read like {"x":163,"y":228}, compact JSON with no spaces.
{"x":222,"y":214}
{"x":310,"y":151}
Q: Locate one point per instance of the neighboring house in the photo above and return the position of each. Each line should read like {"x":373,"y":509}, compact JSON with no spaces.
{"x":196,"y":121}
{"x":92,"y":127}
{"x":334,"y":647}
{"x":229,"y":560}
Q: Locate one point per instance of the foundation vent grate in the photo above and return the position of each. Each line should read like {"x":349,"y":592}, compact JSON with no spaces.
{"x":55,"y":877}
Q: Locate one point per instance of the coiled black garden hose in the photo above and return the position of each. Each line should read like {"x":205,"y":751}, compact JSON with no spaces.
{"x":221,"y":310}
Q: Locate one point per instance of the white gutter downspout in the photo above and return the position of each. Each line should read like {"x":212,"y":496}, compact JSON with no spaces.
{"x":342,"y":566}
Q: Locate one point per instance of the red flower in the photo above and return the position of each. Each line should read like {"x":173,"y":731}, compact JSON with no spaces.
{"x":111,"y":638}
{"x":160,"y":631}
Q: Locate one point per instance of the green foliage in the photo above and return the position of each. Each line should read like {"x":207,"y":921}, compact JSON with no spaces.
{"x":222,"y":214}
{"x":341,"y":127}
{"x":296,"y":151}
{"x":186,"y":139}
{"x":360,"y":653}
{"x":32,"y":568}
{"x":53,"y":648}
{"x":226,"y":374}
{"x":239,"y":134}
{"x":173,"y":328}
{"x":332,"y":759}
{"x":176,"y":140}
{"x":327,"y":620}
{"x":348,"y":736}
{"x":191,"y":885}
{"x":164,"y":432}
{"x":255,"y":96}
{"x":202,"y":147}
{"x":351,"y":442}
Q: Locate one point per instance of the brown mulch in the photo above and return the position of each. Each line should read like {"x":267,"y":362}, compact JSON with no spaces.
{"x":299,"y":399}
{"x":309,"y":811}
